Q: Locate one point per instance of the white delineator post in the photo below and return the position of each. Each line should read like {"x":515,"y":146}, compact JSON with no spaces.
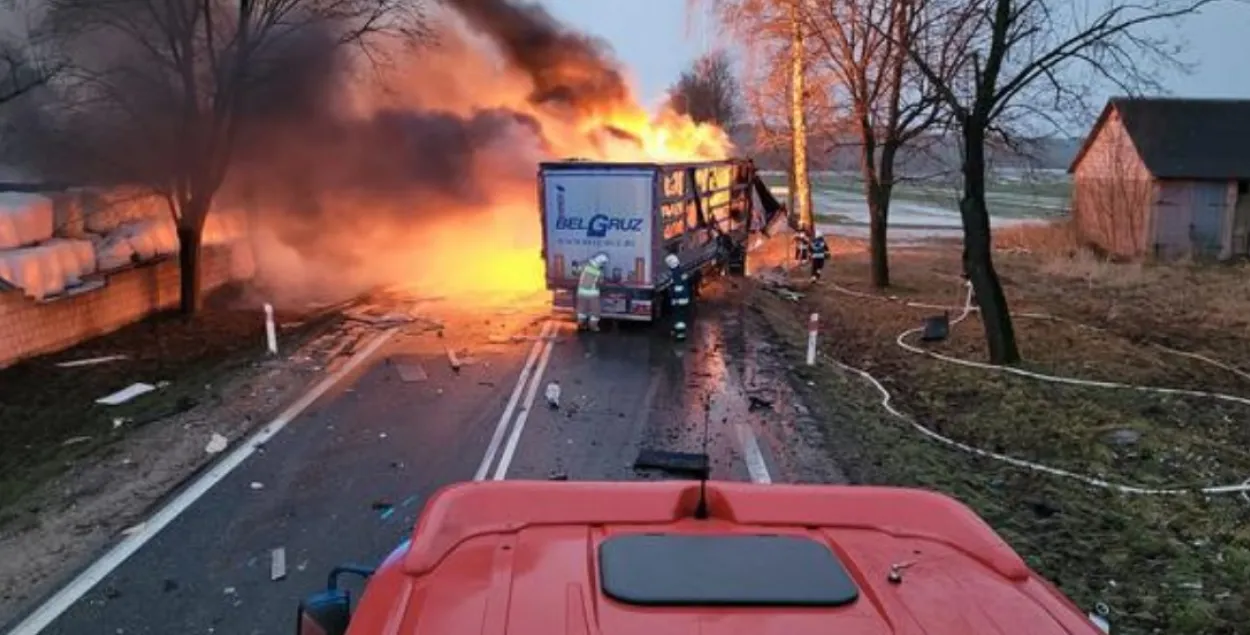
{"x":271,"y":332}
{"x":812,"y":326}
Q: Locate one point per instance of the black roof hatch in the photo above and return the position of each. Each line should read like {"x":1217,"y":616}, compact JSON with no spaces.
{"x":723,"y":570}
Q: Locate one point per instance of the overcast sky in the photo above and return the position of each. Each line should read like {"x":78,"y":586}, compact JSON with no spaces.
{"x":656,"y":40}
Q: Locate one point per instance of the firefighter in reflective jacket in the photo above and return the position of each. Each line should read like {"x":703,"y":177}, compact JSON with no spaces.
{"x":679,"y":296}
{"x":820,"y":253}
{"x":589,"y":306}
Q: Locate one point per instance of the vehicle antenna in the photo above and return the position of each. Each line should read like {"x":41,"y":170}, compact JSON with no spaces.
{"x":700,"y":510}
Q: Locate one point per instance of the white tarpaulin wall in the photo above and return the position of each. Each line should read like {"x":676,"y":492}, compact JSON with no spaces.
{"x":96,"y":232}
{"x":25,"y":219}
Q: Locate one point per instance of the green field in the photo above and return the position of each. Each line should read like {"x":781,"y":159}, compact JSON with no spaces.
{"x":839,"y":197}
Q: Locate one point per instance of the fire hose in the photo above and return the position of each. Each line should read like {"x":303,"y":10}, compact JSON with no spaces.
{"x":967,"y":309}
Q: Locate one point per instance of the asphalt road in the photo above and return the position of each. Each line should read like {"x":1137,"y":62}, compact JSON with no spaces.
{"x":345,"y":481}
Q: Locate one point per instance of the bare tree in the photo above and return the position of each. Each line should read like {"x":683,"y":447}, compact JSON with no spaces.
{"x":789,"y":97}
{"x":19,"y":74}
{"x":1019,"y":57}
{"x":801,"y":184}
{"x":708,"y":91}
{"x":889,"y":103}
{"x":170,"y":82}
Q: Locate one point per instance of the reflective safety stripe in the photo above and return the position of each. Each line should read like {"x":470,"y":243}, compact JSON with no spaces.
{"x":588,"y":282}
{"x":681,"y":326}
{"x":679,"y":289}
{"x":681,"y":301}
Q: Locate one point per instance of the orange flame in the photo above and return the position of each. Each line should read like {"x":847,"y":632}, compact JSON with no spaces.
{"x":483,"y":254}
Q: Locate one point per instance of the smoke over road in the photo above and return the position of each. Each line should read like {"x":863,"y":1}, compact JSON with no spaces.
{"x":422,"y":171}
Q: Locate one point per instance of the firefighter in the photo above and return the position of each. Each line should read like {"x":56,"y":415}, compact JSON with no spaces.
{"x":802,"y":246}
{"x":820,"y":253}
{"x":680,"y":295}
{"x":588,"y":301}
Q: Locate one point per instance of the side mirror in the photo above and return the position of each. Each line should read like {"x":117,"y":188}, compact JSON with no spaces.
{"x":328,"y":612}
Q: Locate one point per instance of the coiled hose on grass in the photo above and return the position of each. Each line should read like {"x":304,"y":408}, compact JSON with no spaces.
{"x":967,"y":309}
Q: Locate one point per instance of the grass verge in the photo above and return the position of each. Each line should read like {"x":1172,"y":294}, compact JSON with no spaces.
{"x":49,"y":414}
{"x":1174,"y":564}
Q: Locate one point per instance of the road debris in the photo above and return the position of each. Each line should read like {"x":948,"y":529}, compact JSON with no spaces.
{"x":557,"y":476}
{"x":216,"y":444}
{"x":92,"y":361}
{"x":277,"y":564}
{"x":257,"y":485}
{"x":126,"y":394}
{"x":453,"y":359}
{"x":134,"y":529}
{"x":120,"y":421}
{"x":74,"y":441}
{"x":409,"y":370}
{"x":375,"y":315}
{"x":553,"y":395}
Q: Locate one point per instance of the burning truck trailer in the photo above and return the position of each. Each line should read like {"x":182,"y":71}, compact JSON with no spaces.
{"x":636,"y":214}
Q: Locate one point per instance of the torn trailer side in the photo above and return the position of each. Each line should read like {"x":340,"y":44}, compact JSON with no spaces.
{"x":636,"y":214}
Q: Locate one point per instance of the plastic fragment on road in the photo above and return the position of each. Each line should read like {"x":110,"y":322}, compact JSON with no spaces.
{"x":277,"y":564}
{"x":553,"y":395}
{"x":410,"y":371}
{"x":92,"y":361}
{"x":126,"y":394}
{"x":217,"y":444}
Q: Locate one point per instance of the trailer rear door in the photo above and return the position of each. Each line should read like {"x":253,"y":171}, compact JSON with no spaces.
{"x":599,"y":209}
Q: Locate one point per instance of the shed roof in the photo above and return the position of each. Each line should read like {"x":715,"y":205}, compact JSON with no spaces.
{"x":1179,"y":138}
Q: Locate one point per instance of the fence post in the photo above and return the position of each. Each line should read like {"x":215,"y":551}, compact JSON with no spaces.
{"x":813,"y":326}
{"x":271,"y":332}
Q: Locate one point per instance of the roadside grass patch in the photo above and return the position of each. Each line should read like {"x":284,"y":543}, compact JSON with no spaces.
{"x":49,"y":415}
{"x":1164,"y":564}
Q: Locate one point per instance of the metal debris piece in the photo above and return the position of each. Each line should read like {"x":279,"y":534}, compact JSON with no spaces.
{"x":126,"y":394}
{"x":216,"y":444}
{"x":92,"y":361}
{"x":277,"y":564}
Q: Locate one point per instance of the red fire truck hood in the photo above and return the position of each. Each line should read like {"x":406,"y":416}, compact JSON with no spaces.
{"x":539,"y":558}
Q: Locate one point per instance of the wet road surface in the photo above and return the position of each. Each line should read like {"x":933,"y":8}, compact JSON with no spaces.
{"x":345,"y":481}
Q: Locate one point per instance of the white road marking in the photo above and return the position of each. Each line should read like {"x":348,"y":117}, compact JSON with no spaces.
{"x":756,"y":466}
{"x":79,"y":586}
{"x":504,"y":461}
{"x":506,"y":418}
